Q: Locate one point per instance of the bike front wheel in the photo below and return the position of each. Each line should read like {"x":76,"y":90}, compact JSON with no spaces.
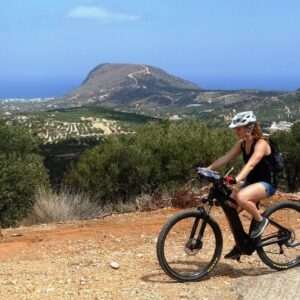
{"x":283,"y":232}
{"x":183,"y":253}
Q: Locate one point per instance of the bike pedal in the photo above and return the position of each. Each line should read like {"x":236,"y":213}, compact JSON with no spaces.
{"x":236,"y":257}
{"x":234,"y":254}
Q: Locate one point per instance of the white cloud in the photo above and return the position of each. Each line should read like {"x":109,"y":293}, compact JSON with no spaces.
{"x":98,"y":12}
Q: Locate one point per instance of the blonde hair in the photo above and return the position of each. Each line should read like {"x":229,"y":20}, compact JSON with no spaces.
{"x":257,"y":132}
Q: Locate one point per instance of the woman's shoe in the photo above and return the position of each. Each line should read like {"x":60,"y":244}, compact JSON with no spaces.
{"x":258,"y":227}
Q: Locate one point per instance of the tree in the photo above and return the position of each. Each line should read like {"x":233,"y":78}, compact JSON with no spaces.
{"x":21,"y":172}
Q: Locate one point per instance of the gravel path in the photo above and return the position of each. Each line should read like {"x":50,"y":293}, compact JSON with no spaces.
{"x":74,"y":261}
{"x":277,"y":285}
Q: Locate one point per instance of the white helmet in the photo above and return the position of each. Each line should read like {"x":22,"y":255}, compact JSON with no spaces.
{"x":243,"y":119}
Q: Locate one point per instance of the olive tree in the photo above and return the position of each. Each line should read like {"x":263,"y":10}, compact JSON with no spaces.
{"x":21,"y":172}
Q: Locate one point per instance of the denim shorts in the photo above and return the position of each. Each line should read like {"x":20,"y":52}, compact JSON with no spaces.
{"x":269,"y":188}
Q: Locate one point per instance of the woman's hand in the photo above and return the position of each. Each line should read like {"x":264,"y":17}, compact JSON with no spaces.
{"x":230,"y":179}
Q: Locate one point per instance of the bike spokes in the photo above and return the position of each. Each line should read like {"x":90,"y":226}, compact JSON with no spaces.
{"x":183,"y":253}
{"x":280,"y":241}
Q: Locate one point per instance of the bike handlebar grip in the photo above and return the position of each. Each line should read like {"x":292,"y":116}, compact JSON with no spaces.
{"x":230,"y":179}
{"x":198,"y":169}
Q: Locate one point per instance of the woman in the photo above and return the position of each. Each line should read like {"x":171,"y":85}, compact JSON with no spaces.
{"x":257,"y":172}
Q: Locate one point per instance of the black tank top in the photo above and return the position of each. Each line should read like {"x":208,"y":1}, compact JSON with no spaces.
{"x":262,"y":171}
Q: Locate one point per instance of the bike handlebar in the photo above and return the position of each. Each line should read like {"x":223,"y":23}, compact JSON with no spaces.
{"x":215,"y":177}
{"x":209,"y":175}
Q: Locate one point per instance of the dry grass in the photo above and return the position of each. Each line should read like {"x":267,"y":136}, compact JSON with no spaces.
{"x":63,"y":206}
{"x":188,"y":197}
{"x":145,"y":202}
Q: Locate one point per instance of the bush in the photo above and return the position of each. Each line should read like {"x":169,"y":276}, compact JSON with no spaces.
{"x":289,"y":144}
{"x":21,"y":172}
{"x":62,"y":206}
{"x":157,"y":157}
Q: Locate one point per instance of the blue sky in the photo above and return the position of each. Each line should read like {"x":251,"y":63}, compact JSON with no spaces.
{"x":49,"y":46}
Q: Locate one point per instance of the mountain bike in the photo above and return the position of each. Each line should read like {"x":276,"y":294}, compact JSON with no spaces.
{"x":190,"y":244}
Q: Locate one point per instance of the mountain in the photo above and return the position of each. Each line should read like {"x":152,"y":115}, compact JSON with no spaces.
{"x":149,"y":90}
{"x":132,"y":85}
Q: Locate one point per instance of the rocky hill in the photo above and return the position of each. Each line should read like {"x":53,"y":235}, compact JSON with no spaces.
{"x":147,"y":89}
{"x":132,"y":85}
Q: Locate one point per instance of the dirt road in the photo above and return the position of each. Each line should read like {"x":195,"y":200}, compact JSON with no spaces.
{"x":73,"y":261}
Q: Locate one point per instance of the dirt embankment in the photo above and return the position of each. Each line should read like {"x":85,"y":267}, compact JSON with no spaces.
{"x":73,"y":261}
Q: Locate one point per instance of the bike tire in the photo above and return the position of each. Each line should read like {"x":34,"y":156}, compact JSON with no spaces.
{"x":171,"y":248}
{"x":282,"y":257}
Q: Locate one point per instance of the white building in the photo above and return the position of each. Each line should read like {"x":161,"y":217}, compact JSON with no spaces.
{"x":282,"y":125}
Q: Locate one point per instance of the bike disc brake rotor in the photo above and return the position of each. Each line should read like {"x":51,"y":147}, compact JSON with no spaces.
{"x":192,"y":247}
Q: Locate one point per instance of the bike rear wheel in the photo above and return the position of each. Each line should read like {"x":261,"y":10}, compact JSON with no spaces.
{"x":180,"y":254}
{"x":284,"y":254}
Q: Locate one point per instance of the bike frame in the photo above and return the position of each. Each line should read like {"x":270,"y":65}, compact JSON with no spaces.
{"x":244,"y":243}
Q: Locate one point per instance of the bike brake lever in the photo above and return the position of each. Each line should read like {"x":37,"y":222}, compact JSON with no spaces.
{"x":232,"y":168}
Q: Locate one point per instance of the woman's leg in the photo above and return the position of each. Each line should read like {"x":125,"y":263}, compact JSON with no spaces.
{"x":248,"y":196}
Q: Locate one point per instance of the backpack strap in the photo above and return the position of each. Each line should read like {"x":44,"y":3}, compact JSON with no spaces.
{"x":243,"y":144}
{"x":271,"y":162}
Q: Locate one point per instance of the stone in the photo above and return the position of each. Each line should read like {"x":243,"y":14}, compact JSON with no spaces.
{"x":114,"y":265}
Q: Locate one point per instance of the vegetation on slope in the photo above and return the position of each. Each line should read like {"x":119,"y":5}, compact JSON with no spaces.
{"x":21,"y":173}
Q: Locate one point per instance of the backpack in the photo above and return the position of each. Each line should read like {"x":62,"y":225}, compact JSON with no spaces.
{"x":276,"y":157}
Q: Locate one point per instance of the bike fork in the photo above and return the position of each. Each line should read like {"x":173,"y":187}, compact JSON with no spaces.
{"x":202,"y":228}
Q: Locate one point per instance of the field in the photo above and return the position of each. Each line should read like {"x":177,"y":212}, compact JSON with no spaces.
{"x":84,"y":122}
{"x":52,"y":124}
{"x":217,"y":106}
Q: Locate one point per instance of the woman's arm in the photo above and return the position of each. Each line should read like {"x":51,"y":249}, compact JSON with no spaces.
{"x":231,"y":154}
{"x":260,"y":150}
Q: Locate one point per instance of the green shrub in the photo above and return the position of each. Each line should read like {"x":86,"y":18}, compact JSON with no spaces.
{"x":21,"y":172}
{"x":289,"y":144}
{"x":158,"y":156}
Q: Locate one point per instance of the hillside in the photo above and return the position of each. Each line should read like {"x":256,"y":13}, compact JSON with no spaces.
{"x":147,"y":90}
{"x":77,"y":122}
{"x":152,"y":91}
